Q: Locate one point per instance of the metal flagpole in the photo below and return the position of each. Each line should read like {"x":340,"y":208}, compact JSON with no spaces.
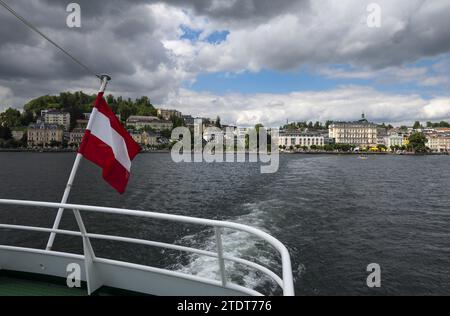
{"x":104,"y":81}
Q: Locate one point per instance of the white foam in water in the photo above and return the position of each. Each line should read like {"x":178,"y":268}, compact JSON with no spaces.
{"x":237,"y":244}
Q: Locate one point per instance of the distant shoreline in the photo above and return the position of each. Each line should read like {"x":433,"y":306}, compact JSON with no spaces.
{"x":366,"y":153}
{"x":56,"y":151}
{"x":59,"y":151}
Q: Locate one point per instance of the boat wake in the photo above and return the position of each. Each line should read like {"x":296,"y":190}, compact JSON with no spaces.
{"x":237,"y":244}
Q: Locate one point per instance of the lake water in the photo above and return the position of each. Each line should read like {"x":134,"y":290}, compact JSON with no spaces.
{"x":336,"y":214}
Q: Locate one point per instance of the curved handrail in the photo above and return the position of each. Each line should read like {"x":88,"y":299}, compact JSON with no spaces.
{"x":286,"y":280}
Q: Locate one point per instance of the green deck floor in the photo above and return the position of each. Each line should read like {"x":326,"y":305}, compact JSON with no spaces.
{"x":10,"y":286}
{"x":28,"y":284}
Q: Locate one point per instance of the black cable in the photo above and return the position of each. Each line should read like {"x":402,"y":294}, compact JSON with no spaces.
{"x":31,"y":26}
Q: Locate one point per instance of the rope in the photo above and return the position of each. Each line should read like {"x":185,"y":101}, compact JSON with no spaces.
{"x":32,"y":27}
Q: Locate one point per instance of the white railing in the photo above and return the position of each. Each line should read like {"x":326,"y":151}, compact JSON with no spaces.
{"x":285,"y":282}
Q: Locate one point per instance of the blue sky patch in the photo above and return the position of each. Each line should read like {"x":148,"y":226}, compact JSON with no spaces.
{"x":193,"y":35}
{"x":190,"y":34}
{"x":306,"y":79}
{"x":217,"y":37}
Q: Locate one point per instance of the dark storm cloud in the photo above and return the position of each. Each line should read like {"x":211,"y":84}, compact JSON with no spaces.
{"x":223,"y":9}
{"x":238,"y":9}
{"x":424,"y":33}
{"x":127,"y":40}
{"x":116,"y":37}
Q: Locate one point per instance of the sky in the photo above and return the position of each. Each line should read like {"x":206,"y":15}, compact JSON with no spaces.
{"x":248,"y":61}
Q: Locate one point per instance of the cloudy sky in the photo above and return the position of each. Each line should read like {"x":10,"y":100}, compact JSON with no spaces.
{"x":248,"y":61}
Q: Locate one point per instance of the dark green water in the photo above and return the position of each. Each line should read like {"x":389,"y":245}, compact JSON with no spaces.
{"x":336,"y":214}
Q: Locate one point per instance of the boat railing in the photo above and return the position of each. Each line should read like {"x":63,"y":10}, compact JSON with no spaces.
{"x":285,"y":282}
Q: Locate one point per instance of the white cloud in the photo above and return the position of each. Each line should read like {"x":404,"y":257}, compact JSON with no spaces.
{"x":438,"y":108}
{"x":435,"y":81}
{"x":139,"y":43}
{"x":6,"y":98}
{"x":331,"y":32}
{"x":344,"y":103}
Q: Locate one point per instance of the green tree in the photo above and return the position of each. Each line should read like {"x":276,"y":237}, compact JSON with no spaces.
{"x":381,"y":147}
{"x":258,"y":126}
{"x":177,"y":121}
{"x":440,"y":124}
{"x":218,"y":122}
{"x":417,"y":125}
{"x":144,"y":107}
{"x":268,"y":141}
{"x":328,"y":147}
{"x":10,"y":118}
{"x":78,"y":103}
{"x":26,"y":118}
{"x":5,"y":133}
{"x":417,"y":142}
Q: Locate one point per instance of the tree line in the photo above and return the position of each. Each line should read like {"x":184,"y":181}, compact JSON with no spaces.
{"x":75,"y":103}
{"x":306,"y":125}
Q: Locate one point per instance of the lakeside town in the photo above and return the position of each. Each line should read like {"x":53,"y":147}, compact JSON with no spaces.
{"x":49,"y":124}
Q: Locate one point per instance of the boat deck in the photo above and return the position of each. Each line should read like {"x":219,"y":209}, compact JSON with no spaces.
{"x":101,"y":275}
{"x":16,"y":286}
{"x":29,"y":284}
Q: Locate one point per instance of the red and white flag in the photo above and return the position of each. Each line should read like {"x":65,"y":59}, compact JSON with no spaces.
{"x":107,"y":144}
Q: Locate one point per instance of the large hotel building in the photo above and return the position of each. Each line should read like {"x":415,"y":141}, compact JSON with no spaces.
{"x":361,"y":133}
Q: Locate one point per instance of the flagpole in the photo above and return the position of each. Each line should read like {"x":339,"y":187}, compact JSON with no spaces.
{"x":104,"y":81}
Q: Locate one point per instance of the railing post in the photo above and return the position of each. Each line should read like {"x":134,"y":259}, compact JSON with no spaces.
{"x":223,"y":276}
{"x":92,"y":276}
{"x":86,"y":242}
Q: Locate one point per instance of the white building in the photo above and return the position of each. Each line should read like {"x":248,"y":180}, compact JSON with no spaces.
{"x":301,"y":139}
{"x":394,"y":139}
{"x":144,"y":138}
{"x":438,"y":143}
{"x":56,"y":117}
{"x":39,"y":134}
{"x":166,"y":114}
{"x":76,"y":136}
{"x":361,"y":133}
{"x":140,"y":122}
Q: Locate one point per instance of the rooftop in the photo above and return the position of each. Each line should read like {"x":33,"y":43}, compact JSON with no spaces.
{"x":54,"y":111}
{"x":303,"y":133}
{"x":363,"y":121}
{"x":138,"y":118}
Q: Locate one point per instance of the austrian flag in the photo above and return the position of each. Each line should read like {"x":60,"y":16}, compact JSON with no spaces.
{"x":107,"y":144}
